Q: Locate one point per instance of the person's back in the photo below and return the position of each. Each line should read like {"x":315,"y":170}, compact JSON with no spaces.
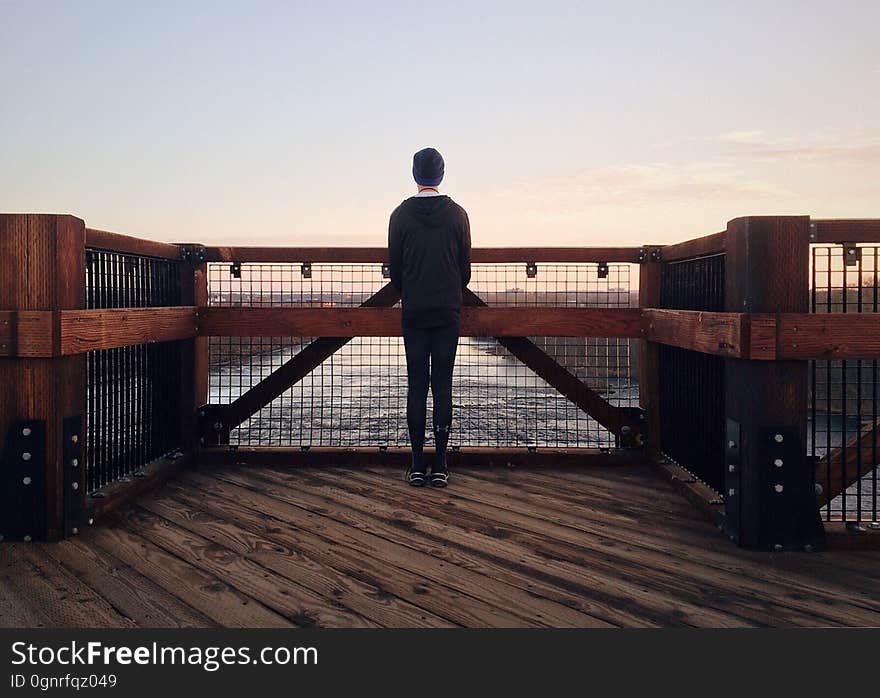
{"x":429,"y":251}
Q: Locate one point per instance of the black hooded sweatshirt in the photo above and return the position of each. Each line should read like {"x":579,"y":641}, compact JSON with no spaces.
{"x":429,"y":254}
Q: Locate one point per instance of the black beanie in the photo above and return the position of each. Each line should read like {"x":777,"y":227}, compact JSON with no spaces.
{"x":428,"y":167}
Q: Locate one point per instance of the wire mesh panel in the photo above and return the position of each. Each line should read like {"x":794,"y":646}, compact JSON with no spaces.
{"x":132,"y":393}
{"x":357,"y":396}
{"x":692,"y":383}
{"x":844,"y":408}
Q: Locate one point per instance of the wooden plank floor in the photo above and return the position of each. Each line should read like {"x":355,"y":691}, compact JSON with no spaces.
{"x":268,"y":547}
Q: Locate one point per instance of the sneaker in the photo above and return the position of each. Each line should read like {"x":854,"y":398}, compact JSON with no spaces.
{"x":439,"y":476}
{"x":416,"y":475}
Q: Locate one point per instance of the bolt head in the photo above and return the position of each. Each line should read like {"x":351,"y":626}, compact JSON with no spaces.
{"x":217,"y":426}
{"x":808,"y":548}
{"x":74,"y":439}
{"x":731,"y":468}
{"x":778,"y":488}
{"x":75,"y":485}
{"x":74,"y":530}
{"x":625,"y":430}
{"x":819,"y":489}
{"x":778,"y":462}
{"x":731,"y":492}
{"x":778,"y":438}
{"x":75,"y":462}
{"x":26,"y":480}
{"x":778,"y":546}
{"x":26,"y":431}
{"x":27,"y":539}
{"x":91,"y":521}
{"x":25,"y":456}
{"x":731,"y":444}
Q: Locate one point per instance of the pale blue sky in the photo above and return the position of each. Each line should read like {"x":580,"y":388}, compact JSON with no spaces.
{"x":561,"y":123}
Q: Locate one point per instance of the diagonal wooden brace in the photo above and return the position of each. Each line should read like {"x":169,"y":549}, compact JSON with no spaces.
{"x":617,"y":420}
{"x":219,"y":420}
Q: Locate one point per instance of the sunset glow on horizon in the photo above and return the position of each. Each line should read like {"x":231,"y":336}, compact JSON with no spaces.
{"x":561,"y":123}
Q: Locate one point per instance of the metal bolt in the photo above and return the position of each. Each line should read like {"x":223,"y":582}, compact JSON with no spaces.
{"x":75,"y":438}
{"x":27,"y":539}
{"x":74,"y":530}
{"x":731,"y":468}
{"x":217,"y":426}
{"x":201,"y":413}
{"x":818,"y":489}
{"x":91,"y":521}
{"x":808,"y":548}
{"x":26,"y":480}
{"x":778,"y":488}
{"x":778,"y":438}
{"x":851,"y":251}
{"x":731,"y":492}
{"x":731,"y":444}
{"x":25,"y":456}
{"x":75,"y":462}
{"x":26,"y":431}
{"x":625,"y":430}
{"x":778,"y":462}
{"x":778,"y":546}
{"x":76,"y":485}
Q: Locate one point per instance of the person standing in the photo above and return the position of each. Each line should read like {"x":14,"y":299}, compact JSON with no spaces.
{"x":429,"y":256}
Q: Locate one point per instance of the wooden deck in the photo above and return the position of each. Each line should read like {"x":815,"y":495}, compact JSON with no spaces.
{"x":260,"y":546}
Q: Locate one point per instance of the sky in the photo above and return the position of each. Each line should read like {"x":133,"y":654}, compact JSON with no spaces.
{"x":294,"y":123}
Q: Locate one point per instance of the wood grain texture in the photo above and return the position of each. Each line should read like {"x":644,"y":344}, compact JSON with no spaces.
{"x":829,"y":336}
{"x":703,"y":331}
{"x":699,"y":247}
{"x":28,"y":333}
{"x":89,"y":330}
{"x":385,"y":322}
{"x":564,"y":547}
{"x":847,"y":230}
{"x":116,"y":242}
{"x":379,"y":255}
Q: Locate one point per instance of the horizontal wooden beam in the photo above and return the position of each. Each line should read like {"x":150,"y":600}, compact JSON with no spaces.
{"x":840,"y":536}
{"x":692,"y":249}
{"x":88,"y":330}
{"x":708,"y":332}
{"x":465,"y":457}
{"x":828,"y":336}
{"x":385,"y":322}
{"x":149,"y":477}
{"x":847,"y":230}
{"x":703,"y":497}
{"x":379,"y":255}
{"x":28,"y":334}
{"x":114,"y":242}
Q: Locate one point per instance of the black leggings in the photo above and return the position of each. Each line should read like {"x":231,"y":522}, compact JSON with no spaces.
{"x":436,"y":345}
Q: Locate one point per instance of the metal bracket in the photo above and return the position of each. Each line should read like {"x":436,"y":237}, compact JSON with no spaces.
{"x":603,"y":270}
{"x":386,"y":271}
{"x":650,"y":254}
{"x":531,"y":270}
{"x":732,"y":477}
{"x":74,"y":475}
{"x":22,"y":482}
{"x":235,"y":270}
{"x":196,"y":254}
{"x":212,"y":428}
{"x":852,"y":254}
{"x":306,"y":270}
{"x":814,"y":232}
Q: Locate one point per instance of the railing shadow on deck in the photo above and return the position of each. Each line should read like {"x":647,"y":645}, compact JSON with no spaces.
{"x":743,"y":365}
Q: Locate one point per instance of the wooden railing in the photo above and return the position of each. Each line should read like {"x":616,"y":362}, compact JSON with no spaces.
{"x":764,"y":336}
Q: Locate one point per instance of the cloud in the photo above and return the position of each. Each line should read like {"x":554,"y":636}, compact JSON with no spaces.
{"x":858,"y":149}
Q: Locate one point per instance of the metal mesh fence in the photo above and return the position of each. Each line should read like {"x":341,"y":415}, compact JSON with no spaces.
{"x":357,"y":397}
{"x":132,"y":393}
{"x":842,"y":428}
{"x":692,"y":383}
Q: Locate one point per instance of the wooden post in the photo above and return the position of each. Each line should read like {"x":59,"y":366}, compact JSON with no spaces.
{"x":769,"y":498}
{"x":649,"y":353}
{"x":194,"y":355}
{"x":42,"y":401}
